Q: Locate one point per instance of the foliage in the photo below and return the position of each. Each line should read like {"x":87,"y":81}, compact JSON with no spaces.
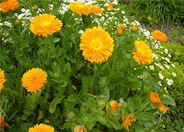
{"x":154,"y":11}
{"x":79,"y":92}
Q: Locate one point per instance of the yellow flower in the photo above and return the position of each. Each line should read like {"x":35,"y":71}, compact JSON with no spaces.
{"x":35,"y":7}
{"x":2,"y":79}
{"x":96,"y":44}
{"x":162,"y":108}
{"x":34,"y":79}
{"x":83,"y":9}
{"x":109,"y":6}
{"x":95,"y":9}
{"x":127,"y":121}
{"x":142,"y":53}
{"x":80,"y":128}
{"x":134,"y":28}
{"x":41,"y":128}
{"x":45,"y":24}
{"x":154,"y":97}
{"x":158,"y":35}
{"x":79,"y":8}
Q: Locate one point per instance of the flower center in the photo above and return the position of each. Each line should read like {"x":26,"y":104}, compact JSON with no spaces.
{"x":96,"y":44}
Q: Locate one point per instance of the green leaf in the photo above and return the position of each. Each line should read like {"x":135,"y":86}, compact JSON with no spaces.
{"x":73,"y":98}
{"x":56,"y":39}
{"x":113,"y":123}
{"x":53,"y":104}
{"x":130,"y":105}
{"x":167,"y":100}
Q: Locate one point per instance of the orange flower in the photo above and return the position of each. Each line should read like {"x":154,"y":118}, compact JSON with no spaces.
{"x":2,"y":79}
{"x":122,"y":26}
{"x":41,"y":128}
{"x":96,"y":44}
{"x":127,"y":121}
{"x":134,"y":28}
{"x":80,"y":128}
{"x":34,"y":79}
{"x":109,"y":6}
{"x":114,"y":106}
{"x":119,"y":30}
{"x":162,"y":108}
{"x":142,"y":53}
{"x":158,"y":35}
{"x":154,"y":97}
{"x":7,"y":5}
{"x":2,"y":122}
{"x":45,"y":24}
{"x":35,"y":7}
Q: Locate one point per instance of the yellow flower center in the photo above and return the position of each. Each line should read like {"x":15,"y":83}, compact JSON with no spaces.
{"x":96,"y":44}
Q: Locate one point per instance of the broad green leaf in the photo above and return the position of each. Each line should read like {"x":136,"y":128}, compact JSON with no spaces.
{"x":73,"y":98}
{"x":56,"y":39}
{"x":53,"y":104}
{"x":167,"y":100}
{"x":130,"y":105}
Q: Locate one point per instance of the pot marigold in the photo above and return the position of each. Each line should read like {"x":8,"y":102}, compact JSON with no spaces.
{"x":80,"y":128}
{"x":142,"y":53}
{"x":158,"y":35}
{"x":41,"y":128}
{"x":154,"y":97}
{"x":127,"y":121}
{"x":34,"y":79}
{"x":96,"y":44}
{"x":7,"y":5}
{"x":134,"y":28}
{"x":162,"y":108}
{"x":2,"y":79}
{"x":83,"y":9}
{"x":45,"y":24}
{"x":114,"y":106}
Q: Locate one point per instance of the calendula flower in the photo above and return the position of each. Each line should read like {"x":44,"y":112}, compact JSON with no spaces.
{"x":158,"y":35}
{"x":41,"y":128}
{"x":80,"y":128}
{"x":34,"y":79}
{"x":2,"y":79}
{"x":79,"y":8}
{"x":122,"y":26}
{"x":109,"y":6}
{"x":35,"y":7}
{"x":134,"y":28}
{"x":45,"y":24}
{"x":154,"y":97}
{"x":127,"y":121}
{"x":95,"y":9}
{"x":114,"y":106}
{"x":142,"y":53}
{"x":7,"y":5}
{"x":83,"y":9}
{"x":96,"y":44}
{"x":162,"y":108}
{"x":119,"y":30}
{"x":2,"y":122}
